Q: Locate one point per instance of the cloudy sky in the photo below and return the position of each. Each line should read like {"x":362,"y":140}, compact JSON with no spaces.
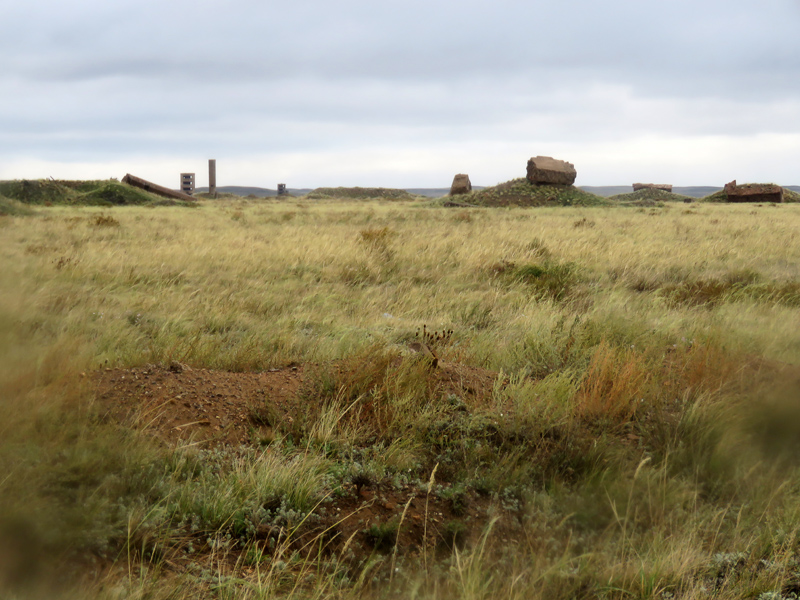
{"x":400,"y":94}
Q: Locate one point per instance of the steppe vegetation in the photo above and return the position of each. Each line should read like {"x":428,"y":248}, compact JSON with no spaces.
{"x":358,"y":193}
{"x":637,"y":438}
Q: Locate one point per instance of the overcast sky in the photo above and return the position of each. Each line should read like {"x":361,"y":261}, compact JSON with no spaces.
{"x":400,"y":94}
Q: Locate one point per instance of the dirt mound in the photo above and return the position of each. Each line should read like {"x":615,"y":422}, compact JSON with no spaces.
{"x":359,"y":193}
{"x":178,"y":404}
{"x":647,"y":196}
{"x":184,"y":406}
{"x":520,"y":192}
{"x":93,"y":193}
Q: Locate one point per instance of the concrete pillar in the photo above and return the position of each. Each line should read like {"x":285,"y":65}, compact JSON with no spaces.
{"x":212,"y":177}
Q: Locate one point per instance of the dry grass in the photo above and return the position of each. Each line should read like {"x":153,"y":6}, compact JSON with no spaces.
{"x":632,"y":345}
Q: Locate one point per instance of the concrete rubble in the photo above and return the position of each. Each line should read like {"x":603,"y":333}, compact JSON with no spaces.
{"x":548,"y":170}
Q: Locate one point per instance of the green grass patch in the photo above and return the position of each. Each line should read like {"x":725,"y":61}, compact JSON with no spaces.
{"x":546,"y":279}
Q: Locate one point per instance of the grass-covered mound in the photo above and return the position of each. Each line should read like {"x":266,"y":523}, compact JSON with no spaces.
{"x":359,"y":193}
{"x":13,"y":208}
{"x":721,"y":196}
{"x":520,"y":192}
{"x":94,"y":193}
{"x":649,"y":196}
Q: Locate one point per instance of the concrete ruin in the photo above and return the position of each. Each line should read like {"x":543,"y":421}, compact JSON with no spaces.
{"x":652,"y":186}
{"x":461,"y":185}
{"x":547,"y":170}
{"x":154,"y":188}
{"x":187,"y":183}
{"x":753,"y":192}
{"x":212,"y":177}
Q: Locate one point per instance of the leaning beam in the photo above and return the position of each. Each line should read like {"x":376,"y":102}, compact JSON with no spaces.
{"x":154,"y":188}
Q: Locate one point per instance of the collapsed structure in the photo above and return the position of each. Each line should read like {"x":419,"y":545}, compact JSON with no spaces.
{"x":652,"y":186}
{"x":753,"y":192}
{"x":461,"y":185}
{"x":548,"y":170}
{"x":154,"y":188}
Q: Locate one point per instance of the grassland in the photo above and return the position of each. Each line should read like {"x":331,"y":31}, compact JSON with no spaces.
{"x":639,"y":439}
{"x":358,"y":193}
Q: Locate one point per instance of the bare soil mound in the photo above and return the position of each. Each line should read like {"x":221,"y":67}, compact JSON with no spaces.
{"x":184,"y":406}
{"x":179,"y":405}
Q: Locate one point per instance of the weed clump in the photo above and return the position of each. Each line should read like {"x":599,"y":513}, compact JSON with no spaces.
{"x":382,"y":536}
{"x":615,"y":384}
{"x":104,"y":221}
{"x":546,"y":279}
{"x":682,"y":290}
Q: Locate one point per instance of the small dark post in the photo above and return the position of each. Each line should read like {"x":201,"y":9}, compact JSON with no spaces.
{"x":212,"y":177}
{"x":282,"y":190}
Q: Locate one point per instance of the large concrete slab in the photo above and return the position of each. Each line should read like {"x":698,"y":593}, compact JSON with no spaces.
{"x":545,"y":169}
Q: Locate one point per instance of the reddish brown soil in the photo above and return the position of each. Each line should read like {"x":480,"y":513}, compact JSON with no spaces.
{"x":180,"y":406}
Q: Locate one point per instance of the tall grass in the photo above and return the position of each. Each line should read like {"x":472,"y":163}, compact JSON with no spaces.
{"x":638,"y":442}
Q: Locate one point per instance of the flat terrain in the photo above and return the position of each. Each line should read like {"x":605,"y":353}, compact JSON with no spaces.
{"x":331,"y":399}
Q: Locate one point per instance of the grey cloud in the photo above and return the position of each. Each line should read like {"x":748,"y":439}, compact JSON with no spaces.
{"x":97,"y":79}
{"x":679,"y":42}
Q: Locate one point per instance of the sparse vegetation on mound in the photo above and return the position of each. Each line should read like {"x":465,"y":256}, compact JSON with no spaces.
{"x":13,"y":207}
{"x":359,"y":193}
{"x":722,"y":196}
{"x":92,"y":193}
{"x":648,"y":197}
{"x":790,"y":195}
{"x":520,"y":192}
